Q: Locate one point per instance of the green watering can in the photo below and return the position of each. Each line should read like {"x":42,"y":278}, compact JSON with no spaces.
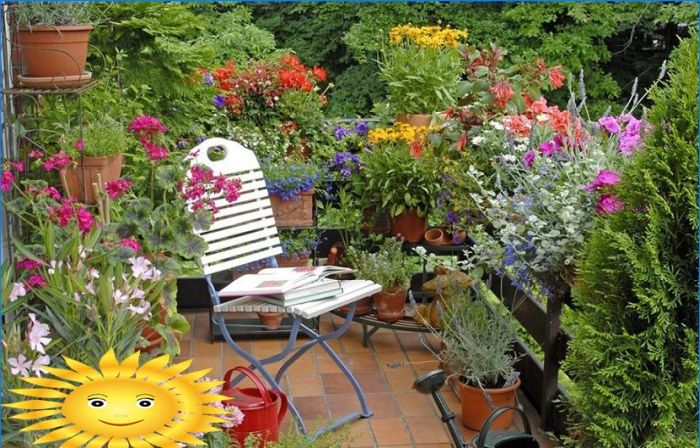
{"x":431,"y":383}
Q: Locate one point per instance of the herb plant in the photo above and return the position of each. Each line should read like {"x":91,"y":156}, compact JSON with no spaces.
{"x":387,"y":266}
{"x":50,"y":13}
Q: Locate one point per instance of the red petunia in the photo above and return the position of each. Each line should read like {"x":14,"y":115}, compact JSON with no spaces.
{"x":319,"y":73}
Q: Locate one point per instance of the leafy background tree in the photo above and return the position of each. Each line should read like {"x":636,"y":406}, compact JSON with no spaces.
{"x":634,"y":351}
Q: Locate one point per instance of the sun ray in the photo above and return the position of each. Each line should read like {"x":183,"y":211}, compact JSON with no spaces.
{"x":160,"y":441}
{"x":48,"y":382}
{"x":97,"y":442}
{"x":211,"y":398}
{"x":77,"y":441}
{"x":109,"y":366}
{"x":136,"y":442}
{"x":187,"y":378}
{"x":35,"y":415}
{"x":181,"y":436}
{"x":46,"y":424}
{"x":59,"y":434}
{"x":39,"y":393}
{"x":34,"y":404}
{"x":154,"y":367}
{"x":82,"y":369}
{"x":176,"y":369}
{"x":205,"y":386}
{"x":67,"y":374}
{"x":129,"y":366}
{"x":118,"y":443}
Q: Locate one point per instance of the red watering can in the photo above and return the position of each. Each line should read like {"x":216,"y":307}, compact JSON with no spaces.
{"x":259,"y":406}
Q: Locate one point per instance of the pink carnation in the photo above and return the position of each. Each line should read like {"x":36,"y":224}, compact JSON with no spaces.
{"x":146,"y":125}
{"x":130,"y":243}
{"x":58,"y":161}
{"x":85,"y":220}
{"x":608,"y":203}
{"x":36,"y":281}
{"x":8,"y":177}
{"x":117,"y":187}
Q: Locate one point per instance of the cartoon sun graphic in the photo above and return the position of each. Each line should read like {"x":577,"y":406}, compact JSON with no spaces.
{"x":121,"y":405}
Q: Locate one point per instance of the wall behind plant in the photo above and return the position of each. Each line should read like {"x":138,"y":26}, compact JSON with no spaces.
{"x":613,"y":43}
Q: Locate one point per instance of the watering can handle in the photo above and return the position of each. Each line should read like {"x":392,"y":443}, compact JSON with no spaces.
{"x":258,"y":383}
{"x":492,"y":418}
{"x":283,"y":407}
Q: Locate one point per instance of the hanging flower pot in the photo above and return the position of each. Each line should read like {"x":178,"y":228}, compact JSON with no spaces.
{"x":390,"y":304}
{"x":78,"y":180}
{"x":56,"y":52}
{"x":409,"y":225}
{"x":476,"y":408}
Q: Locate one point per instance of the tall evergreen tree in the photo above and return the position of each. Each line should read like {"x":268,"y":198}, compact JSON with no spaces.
{"x":634,"y":354}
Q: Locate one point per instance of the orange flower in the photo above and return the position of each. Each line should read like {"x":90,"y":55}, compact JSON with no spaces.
{"x":556,"y":78}
{"x":536,"y":108}
{"x":502,"y":93}
{"x":462,"y":142}
{"x":520,"y":125}
{"x":416,"y":149}
{"x":559,"y":120}
{"x":319,"y":73}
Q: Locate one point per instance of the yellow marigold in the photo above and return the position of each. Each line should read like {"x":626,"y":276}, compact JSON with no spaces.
{"x":400,"y":132}
{"x":427,"y":36}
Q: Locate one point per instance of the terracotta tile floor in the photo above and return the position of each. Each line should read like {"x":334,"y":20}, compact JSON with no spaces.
{"x":386,"y":370}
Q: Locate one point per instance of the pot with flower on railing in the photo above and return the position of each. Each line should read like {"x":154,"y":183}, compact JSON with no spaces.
{"x":291,"y":189}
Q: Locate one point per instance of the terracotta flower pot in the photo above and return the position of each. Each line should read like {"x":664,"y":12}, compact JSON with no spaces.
{"x":409,"y":225}
{"x":284,"y":261}
{"x":109,"y":167}
{"x":151,"y":335}
{"x":296,"y":212}
{"x":475,"y":408}
{"x":54,"y":51}
{"x":436,"y":237}
{"x":416,"y":120}
{"x":362,"y":307}
{"x":271,"y":321}
{"x":389,"y":305}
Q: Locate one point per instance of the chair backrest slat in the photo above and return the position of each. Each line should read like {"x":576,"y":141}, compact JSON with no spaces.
{"x":243,"y":231}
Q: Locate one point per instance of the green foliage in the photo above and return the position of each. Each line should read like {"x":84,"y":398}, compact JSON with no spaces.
{"x":396,"y":181}
{"x":420,"y":80}
{"x":634,"y":355}
{"x":50,"y":13}
{"x":291,"y":439}
{"x":387,"y":266}
{"x":104,"y":137}
{"x":303,"y":108}
{"x":478,"y":343}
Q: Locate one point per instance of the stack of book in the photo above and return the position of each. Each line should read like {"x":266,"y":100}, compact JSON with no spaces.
{"x":288,"y":286}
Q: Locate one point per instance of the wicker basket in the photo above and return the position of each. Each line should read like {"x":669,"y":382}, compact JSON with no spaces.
{"x":297,"y":212}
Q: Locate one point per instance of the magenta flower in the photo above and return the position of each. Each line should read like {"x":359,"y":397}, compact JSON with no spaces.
{"x":28,"y":264}
{"x":153,"y":151}
{"x":80,"y":145}
{"x":603,"y":179}
{"x":85,"y":220}
{"x":36,"y":281}
{"x":35,"y":154}
{"x":52,"y":192}
{"x":146,"y":125}
{"x":130,"y":243}
{"x":8,"y":177}
{"x":529,"y":158}
{"x":117,"y":187}
{"x":19,"y":166}
{"x":62,"y":214}
{"x":608,"y":203}
{"x":58,"y":161}
{"x":610,"y":124}
{"x":548,"y":148}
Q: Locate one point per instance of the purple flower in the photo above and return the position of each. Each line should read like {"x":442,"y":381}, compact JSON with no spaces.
{"x":608,"y":203}
{"x":182,"y":143}
{"x":361,"y":128}
{"x":529,"y":158}
{"x":610,"y":124}
{"x":548,"y":148}
{"x":603,"y":179}
{"x":201,"y":138}
{"x":219,"y":101}
{"x":346,"y":163}
{"x":340,"y":133}
{"x":207,"y":79}
{"x":451,"y":217}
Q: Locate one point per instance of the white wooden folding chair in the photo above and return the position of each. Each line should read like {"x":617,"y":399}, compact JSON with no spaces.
{"x":244,"y":232}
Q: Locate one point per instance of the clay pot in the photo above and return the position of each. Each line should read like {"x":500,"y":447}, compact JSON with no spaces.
{"x":475,"y":408}
{"x":108,"y":167}
{"x":291,"y":262}
{"x":151,"y":335}
{"x":271,"y":321}
{"x":295,"y":212}
{"x":409,"y":225}
{"x":436,"y":237}
{"x":54,"y":51}
{"x":362,"y":307}
{"x":416,"y":120}
{"x":390,"y":304}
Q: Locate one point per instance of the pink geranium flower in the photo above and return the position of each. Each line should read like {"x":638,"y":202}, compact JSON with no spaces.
{"x":58,"y":161}
{"x":36,"y":281}
{"x":35,"y":154}
{"x":608,"y":203}
{"x":28,"y":264}
{"x":85,"y":220}
{"x":146,"y":125}
{"x":8,"y":177}
{"x":80,"y":145}
{"x":117,"y":187}
{"x":52,"y":192}
{"x":130,"y":243}
{"x":605,"y":178}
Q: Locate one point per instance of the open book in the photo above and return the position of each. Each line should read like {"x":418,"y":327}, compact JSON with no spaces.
{"x":282,"y":282}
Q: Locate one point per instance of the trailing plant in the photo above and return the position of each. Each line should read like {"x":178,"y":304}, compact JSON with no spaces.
{"x":288,"y":178}
{"x":635,"y":323}
{"x":479,"y":344}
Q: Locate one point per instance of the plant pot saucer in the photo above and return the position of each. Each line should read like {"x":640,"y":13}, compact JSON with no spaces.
{"x":55,"y":82}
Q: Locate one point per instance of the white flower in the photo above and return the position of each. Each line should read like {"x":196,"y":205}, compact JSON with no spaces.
{"x":138,"y":293}
{"x":90,"y":288}
{"x":142,"y":307}
{"x":76,"y":297}
{"x":54,"y":266}
{"x":496,"y":125}
{"x":119,"y":297}
{"x":139,"y":266}
{"x":509,"y":158}
{"x":478,"y":140}
{"x":19,"y":365}
{"x":18,"y":290}
{"x":93,"y":273}
{"x":39,"y":363}
{"x":152,"y":274}
{"x":37,"y":334}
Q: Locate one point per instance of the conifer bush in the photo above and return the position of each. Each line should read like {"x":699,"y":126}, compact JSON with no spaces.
{"x":634,"y":353}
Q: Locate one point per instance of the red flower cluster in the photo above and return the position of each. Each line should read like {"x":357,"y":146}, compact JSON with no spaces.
{"x":117,"y":187}
{"x":201,"y":188}
{"x":67,"y":210}
{"x":262,"y":83}
{"x":58,"y":161}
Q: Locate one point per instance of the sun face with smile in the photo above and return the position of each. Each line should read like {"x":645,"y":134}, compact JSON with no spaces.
{"x":120,"y":405}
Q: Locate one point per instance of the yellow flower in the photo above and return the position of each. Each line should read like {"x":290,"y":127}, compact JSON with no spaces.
{"x":400,"y":132}
{"x":427,"y":36}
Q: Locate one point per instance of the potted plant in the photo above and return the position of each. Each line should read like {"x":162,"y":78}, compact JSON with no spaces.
{"x":388,"y":268}
{"x":422,"y":70}
{"x":400,"y":180}
{"x":291,"y":186}
{"x":97,"y":151}
{"x":53,"y":41}
{"x":297,"y":246}
{"x":478,"y":347}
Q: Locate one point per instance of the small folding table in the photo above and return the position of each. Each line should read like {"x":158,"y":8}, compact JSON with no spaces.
{"x":353,"y":290}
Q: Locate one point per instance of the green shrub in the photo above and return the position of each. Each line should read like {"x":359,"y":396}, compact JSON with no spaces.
{"x":634,"y":354}
{"x":104,"y":137}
